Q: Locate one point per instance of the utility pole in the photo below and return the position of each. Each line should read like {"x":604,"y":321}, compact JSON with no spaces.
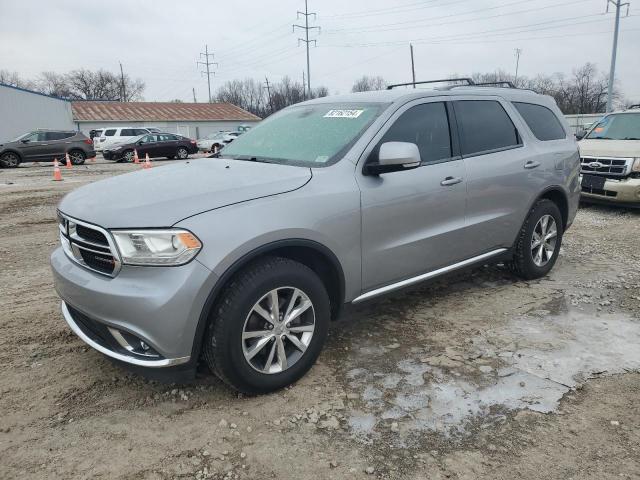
{"x":123,"y":91}
{"x":207,"y":64}
{"x":194,"y":95}
{"x":518,"y":52}
{"x":306,"y":40}
{"x":268,"y":87}
{"x":304,"y":87}
{"x":612,"y":71}
{"x":413,"y":68}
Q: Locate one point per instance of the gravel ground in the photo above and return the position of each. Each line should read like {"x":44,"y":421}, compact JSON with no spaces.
{"x":479,"y":375}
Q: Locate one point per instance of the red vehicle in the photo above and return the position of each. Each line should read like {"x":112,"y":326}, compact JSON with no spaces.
{"x":155,"y":145}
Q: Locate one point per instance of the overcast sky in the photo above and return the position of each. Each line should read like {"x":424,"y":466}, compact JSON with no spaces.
{"x":159,"y":41}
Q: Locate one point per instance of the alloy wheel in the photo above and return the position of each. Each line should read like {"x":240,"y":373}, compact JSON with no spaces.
{"x":182,"y":153}
{"x":10,"y":160}
{"x":544,"y":240}
{"x":76,"y":158}
{"x":278,"y":330}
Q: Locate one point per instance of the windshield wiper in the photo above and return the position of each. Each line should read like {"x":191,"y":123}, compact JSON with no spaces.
{"x":248,"y":158}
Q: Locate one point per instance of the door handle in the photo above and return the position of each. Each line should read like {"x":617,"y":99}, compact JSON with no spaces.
{"x":450,"y":181}
{"x":532,"y":164}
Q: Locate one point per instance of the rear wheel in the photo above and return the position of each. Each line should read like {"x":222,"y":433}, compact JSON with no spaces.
{"x":182,"y":153}
{"x":77,"y":157}
{"x":269,"y":326}
{"x":538,"y":243}
{"x":9,"y":160}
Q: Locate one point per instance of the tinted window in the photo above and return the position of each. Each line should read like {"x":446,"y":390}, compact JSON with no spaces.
{"x":149,"y":139}
{"x":425,"y":125}
{"x":129,"y":132}
{"x":140,"y":131}
{"x":109,"y":133}
{"x":484,"y":125}
{"x":542,"y":122}
{"x":36,"y":137}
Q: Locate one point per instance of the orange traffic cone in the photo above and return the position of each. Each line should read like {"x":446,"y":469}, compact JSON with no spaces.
{"x":136,"y":159}
{"x":57,"y":176}
{"x":68,"y":160}
{"x":147,"y":163}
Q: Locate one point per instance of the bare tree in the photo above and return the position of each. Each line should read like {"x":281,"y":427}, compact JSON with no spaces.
{"x":15,"y":80}
{"x":366,"y":83}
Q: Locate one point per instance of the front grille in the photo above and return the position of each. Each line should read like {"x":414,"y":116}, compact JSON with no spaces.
{"x":597,"y":191}
{"x":88,"y":245}
{"x":608,"y":166}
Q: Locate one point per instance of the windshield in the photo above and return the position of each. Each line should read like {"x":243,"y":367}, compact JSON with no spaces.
{"x":24,"y":135}
{"x":619,"y":126}
{"x":305,"y":135}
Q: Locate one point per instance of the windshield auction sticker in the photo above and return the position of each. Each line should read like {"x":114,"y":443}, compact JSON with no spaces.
{"x":343,"y":113}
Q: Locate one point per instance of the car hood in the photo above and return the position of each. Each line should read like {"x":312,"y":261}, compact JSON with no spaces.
{"x":164,"y":195}
{"x":609,"y":148}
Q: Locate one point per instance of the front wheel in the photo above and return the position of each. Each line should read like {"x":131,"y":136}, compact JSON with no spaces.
{"x":538,"y":244}
{"x":269,"y":326}
{"x":9,"y":160}
{"x":182,"y":153}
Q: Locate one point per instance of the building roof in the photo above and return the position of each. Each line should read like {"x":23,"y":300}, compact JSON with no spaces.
{"x":26,"y":90}
{"x":100,"y":111}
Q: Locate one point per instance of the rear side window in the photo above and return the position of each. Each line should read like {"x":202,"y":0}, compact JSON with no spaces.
{"x":484,"y":126}
{"x":139,"y":131}
{"x":129,"y":132}
{"x":110,"y":133}
{"x":427,"y":126}
{"x":58,"y":135}
{"x":542,"y":121}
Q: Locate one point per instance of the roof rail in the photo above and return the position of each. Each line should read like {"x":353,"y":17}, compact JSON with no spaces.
{"x":462,"y":79}
{"x":504,"y":83}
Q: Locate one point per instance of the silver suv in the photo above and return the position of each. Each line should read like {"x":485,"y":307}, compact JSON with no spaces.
{"x":242,"y":261}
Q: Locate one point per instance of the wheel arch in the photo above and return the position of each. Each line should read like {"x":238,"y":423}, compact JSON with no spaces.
{"x":12,"y":150}
{"x":314,"y":255}
{"x":558,"y":196}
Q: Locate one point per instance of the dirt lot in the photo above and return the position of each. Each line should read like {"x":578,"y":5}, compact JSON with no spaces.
{"x":477,"y":376}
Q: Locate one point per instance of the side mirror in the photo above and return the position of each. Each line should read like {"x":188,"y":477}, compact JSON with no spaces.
{"x":26,"y":140}
{"x":139,"y":142}
{"x":393,"y":157}
{"x":580,"y":134}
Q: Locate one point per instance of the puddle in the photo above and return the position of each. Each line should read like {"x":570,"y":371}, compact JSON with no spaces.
{"x":528,"y":363}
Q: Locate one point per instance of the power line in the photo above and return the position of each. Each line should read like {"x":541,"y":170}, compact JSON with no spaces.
{"x":612,"y":71}
{"x":207,"y":64}
{"x":306,"y":40}
{"x":393,"y":10}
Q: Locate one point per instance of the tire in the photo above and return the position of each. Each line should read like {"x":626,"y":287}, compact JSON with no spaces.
{"x":225,"y":350}
{"x":214,"y":146}
{"x":127,"y":156}
{"x":9,"y":160}
{"x":182,"y":153}
{"x":77,"y":157}
{"x":531,"y":261}
{"x":171,"y":157}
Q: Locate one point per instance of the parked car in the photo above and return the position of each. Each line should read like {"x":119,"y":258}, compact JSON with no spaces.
{"x":111,"y":136}
{"x":155,"y":145}
{"x":216,"y":141}
{"x":44,"y":146}
{"x":243,"y":260}
{"x":610,"y":158}
{"x":154,"y":130}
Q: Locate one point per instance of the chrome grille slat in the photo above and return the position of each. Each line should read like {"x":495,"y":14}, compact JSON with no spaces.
{"x":607,"y":166}
{"x":92,"y":253}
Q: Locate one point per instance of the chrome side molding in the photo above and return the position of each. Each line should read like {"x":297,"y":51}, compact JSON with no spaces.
{"x":426,"y":276}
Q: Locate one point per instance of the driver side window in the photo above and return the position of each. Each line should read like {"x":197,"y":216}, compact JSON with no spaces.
{"x":426,"y":125}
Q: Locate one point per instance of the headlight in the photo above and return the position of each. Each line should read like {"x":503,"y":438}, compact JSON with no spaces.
{"x":636,"y":165}
{"x":156,"y":247}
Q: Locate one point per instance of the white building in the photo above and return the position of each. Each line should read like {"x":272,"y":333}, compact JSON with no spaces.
{"x":22,"y":111}
{"x":193,"y":120}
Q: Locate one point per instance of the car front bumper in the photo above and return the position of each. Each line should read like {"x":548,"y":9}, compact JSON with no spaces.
{"x":625,"y":191}
{"x":160,"y":306}
{"x":111,"y":155}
